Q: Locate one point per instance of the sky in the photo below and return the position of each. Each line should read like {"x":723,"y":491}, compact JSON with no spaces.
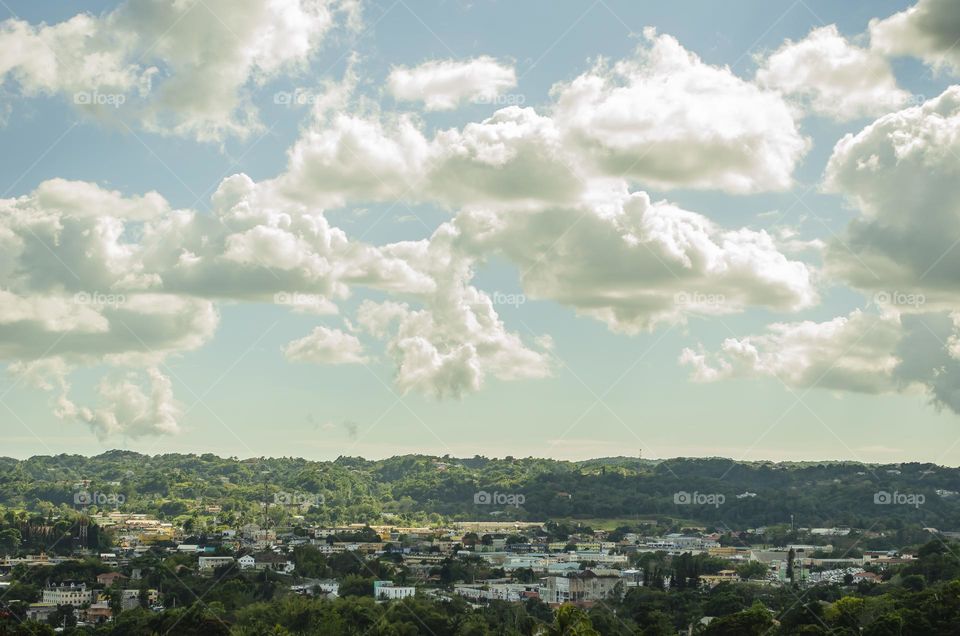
{"x":568,"y":229}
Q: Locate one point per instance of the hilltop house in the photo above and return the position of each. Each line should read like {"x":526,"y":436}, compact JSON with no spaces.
{"x":67,"y":593}
{"x":266,"y":561}
{"x":582,"y":588}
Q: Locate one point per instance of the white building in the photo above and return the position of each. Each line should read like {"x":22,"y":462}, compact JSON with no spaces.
{"x":75,"y":594}
{"x":210,"y":563}
{"x":266,"y":561}
{"x":386,"y":590}
{"x":578,"y":588}
{"x":497,"y":591}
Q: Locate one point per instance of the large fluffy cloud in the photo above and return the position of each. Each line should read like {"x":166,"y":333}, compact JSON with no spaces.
{"x":930,"y":356}
{"x":89,"y":277}
{"x":901,"y":173}
{"x":444,"y":84}
{"x":449,"y":345}
{"x":832,"y":77}
{"x":634,"y":263}
{"x":863,"y":352}
{"x":514,"y":158}
{"x":178,"y":67}
{"x":662,"y":118}
{"x":128,"y":409}
{"x":668,"y":120}
{"x":854,"y":353}
{"x":930,"y":30}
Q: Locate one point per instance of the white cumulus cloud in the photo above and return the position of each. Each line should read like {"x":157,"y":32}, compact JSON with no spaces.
{"x":832,"y":77}
{"x":668,"y":120}
{"x":181,"y":68}
{"x":326,"y":346}
{"x":928,"y":30}
{"x":445,"y":84}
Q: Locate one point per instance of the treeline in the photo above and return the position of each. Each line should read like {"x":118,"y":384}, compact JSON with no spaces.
{"x":423,"y":489}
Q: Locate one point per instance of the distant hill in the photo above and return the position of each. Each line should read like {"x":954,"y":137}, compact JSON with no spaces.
{"x":424,"y":488}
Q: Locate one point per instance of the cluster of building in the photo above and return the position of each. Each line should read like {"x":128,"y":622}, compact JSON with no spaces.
{"x":93,"y":604}
{"x":583,"y":569}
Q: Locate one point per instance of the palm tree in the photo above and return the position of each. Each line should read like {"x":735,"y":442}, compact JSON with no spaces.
{"x":569,"y":621}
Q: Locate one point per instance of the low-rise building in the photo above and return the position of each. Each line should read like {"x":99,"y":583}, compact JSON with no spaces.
{"x":129,"y":599}
{"x":266,"y":561}
{"x":74,"y":594}
{"x":386,"y":590}
{"x":98,"y":612}
{"x":722,"y":576}
{"x":40,"y":611}
{"x":208,"y":564}
{"x":581,"y":588}
{"x":109,"y":578}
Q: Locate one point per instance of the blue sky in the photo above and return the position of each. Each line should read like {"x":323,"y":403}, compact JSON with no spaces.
{"x":694,"y":160}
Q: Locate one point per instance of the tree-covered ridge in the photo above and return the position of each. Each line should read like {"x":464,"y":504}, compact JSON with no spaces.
{"x":423,"y":488}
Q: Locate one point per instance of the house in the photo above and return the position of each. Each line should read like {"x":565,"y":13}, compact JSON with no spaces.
{"x":67,"y":593}
{"x":712,"y":580}
{"x":40,"y":611}
{"x":583,"y":588}
{"x":326,"y":587}
{"x":386,"y":590}
{"x":266,"y":561}
{"x":130,"y":599}
{"x":210,"y":563}
{"x":98,"y":612}
{"x":107,"y":579}
{"x":870,"y":577}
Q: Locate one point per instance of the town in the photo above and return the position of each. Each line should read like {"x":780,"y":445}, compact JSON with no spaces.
{"x":482,"y":562}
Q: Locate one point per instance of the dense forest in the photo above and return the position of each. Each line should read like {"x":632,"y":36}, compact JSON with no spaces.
{"x":423,"y":489}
